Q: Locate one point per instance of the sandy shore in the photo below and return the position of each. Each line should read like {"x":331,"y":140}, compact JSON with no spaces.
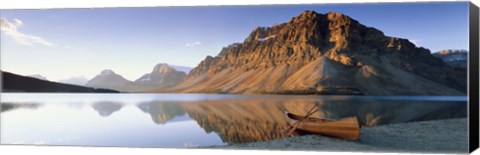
{"x":448,"y":136}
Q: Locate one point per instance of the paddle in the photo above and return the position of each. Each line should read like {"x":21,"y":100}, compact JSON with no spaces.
{"x":292,"y":127}
{"x":308,"y":114}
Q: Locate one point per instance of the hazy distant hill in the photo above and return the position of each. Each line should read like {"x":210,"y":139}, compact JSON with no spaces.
{"x":77,"y":80}
{"x":324,"y":54}
{"x":38,"y":76}
{"x":17,"y":83}
{"x":162,"y":76}
{"x":110,"y":80}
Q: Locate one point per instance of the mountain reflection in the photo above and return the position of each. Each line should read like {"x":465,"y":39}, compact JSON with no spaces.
{"x":378,"y":112}
{"x":242,"y":121}
{"x":252,"y":120}
{"x":161,"y":112}
{"x":106,"y":108}
{"x":10,"y":106}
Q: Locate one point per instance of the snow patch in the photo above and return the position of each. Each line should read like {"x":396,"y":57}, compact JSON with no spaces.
{"x":266,"y":38}
{"x":146,"y":79}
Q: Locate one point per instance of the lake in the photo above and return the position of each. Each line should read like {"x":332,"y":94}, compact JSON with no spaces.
{"x":192,"y":120}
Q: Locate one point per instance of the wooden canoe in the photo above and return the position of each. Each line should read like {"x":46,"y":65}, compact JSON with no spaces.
{"x":346,"y":128}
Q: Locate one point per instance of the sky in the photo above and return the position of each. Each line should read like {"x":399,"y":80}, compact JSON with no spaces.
{"x":62,"y":43}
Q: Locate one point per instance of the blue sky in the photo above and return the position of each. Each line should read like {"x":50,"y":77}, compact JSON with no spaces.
{"x":60,"y":43}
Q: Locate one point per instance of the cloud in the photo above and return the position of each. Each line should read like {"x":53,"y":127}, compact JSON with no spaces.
{"x":10,"y":29}
{"x":196,"y":43}
{"x":414,"y":41}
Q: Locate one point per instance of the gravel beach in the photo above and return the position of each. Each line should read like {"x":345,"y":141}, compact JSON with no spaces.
{"x":446,"y":136}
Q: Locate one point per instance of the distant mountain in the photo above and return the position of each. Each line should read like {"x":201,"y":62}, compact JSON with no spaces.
{"x":38,"y":76}
{"x":108,"y":79}
{"x":17,"y":83}
{"x":456,"y":58}
{"x":184,"y":69}
{"x":324,"y":54}
{"x":77,"y":80}
{"x":161,"y":76}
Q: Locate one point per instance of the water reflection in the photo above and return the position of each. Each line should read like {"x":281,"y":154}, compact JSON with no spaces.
{"x":247,"y":120}
{"x":11,"y":106}
{"x":232,"y":120}
{"x":106,"y":108}
{"x":161,"y":112}
{"x":373,"y":112}
{"x":251,"y":120}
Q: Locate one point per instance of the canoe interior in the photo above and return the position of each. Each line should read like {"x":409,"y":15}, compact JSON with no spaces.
{"x":346,"y":128}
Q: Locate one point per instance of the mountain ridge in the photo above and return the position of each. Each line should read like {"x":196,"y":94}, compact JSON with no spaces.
{"x":17,"y":83}
{"x":162,"y":76}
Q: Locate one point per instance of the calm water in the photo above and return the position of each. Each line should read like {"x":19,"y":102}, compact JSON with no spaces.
{"x":190,"y":120}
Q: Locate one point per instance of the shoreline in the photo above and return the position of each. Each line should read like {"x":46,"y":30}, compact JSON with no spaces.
{"x":445,"y":136}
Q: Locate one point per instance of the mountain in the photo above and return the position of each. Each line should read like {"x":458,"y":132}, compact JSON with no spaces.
{"x":324,"y":54}
{"x":38,"y":76}
{"x":76,"y":80}
{"x":184,"y":69}
{"x":209,"y":61}
{"x":17,"y":83}
{"x":161,"y":76}
{"x":456,"y":58}
{"x":108,"y":79}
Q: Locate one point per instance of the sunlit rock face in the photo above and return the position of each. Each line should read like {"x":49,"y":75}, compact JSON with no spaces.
{"x":324,"y":54}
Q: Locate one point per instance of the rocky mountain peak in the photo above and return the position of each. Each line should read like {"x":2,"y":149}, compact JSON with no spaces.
{"x":162,"y":68}
{"x":162,"y":75}
{"x":209,"y":61}
{"x":337,"y":16}
{"x":306,"y":15}
{"x":225,"y":50}
{"x":257,"y":33}
{"x":273,"y":58}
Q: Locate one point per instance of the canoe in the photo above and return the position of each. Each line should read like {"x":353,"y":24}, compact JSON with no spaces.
{"x":346,"y":128}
